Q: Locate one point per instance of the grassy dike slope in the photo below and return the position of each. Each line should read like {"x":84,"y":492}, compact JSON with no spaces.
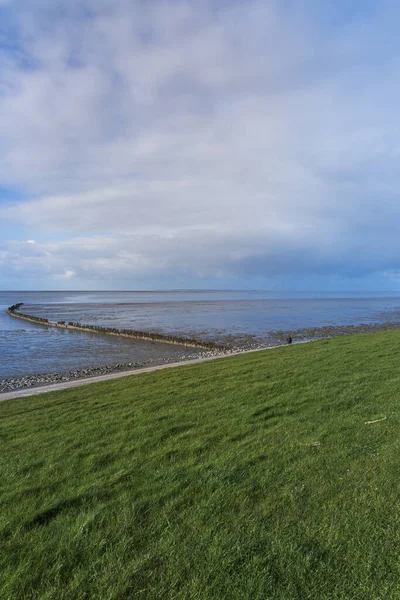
{"x":206,"y":482}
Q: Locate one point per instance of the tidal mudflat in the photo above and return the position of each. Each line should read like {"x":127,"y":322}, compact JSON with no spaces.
{"x":34,"y":355}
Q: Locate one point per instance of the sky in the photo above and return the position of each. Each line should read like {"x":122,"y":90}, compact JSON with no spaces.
{"x":229,"y":144}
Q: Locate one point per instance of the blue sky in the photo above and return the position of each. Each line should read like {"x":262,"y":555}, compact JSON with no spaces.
{"x":182,"y":144}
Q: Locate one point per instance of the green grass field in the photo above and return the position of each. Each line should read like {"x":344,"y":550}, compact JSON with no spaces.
{"x":251,"y":477}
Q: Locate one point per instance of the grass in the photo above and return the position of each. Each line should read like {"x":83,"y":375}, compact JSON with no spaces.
{"x":251,"y":477}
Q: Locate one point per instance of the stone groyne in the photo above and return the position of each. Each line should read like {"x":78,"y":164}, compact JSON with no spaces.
{"x":14,"y":311}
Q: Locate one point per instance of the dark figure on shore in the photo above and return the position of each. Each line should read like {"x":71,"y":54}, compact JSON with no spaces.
{"x":289,"y":339}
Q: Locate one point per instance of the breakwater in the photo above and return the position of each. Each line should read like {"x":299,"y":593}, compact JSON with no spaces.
{"x":14,"y":311}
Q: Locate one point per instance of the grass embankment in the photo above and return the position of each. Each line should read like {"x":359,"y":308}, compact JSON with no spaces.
{"x":251,"y":477}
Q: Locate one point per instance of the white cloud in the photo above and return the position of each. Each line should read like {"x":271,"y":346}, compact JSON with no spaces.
{"x":68,"y":274}
{"x":212,"y":139}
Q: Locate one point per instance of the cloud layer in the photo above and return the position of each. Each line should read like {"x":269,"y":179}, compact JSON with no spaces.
{"x":199,"y":143}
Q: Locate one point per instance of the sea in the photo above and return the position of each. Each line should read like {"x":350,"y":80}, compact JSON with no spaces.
{"x":27,"y":349}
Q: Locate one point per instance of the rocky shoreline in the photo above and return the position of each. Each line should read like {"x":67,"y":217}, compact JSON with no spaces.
{"x":328,"y":331}
{"x":273,"y":338}
{"x":10,"y":384}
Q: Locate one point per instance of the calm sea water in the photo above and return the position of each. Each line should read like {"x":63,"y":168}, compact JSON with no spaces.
{"x":26,"y":348}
